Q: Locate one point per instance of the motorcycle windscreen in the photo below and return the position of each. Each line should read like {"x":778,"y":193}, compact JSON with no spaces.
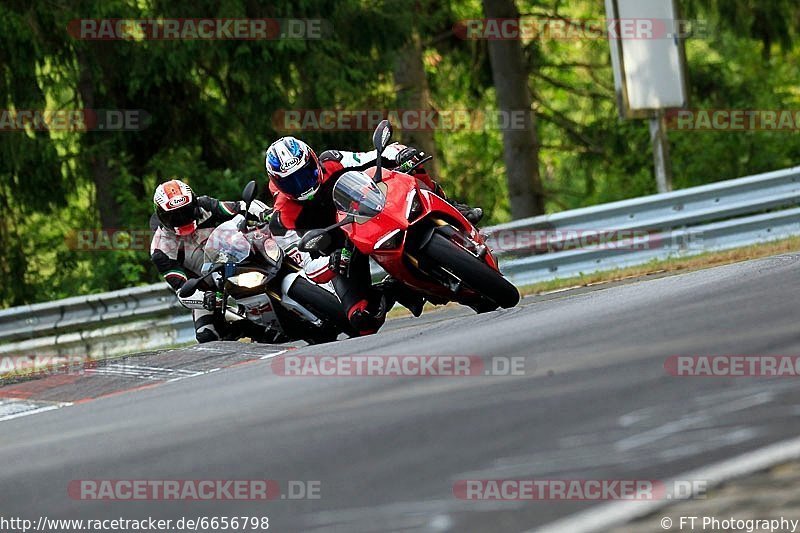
{"x":227,"y":244}
{"x":356,"y":194}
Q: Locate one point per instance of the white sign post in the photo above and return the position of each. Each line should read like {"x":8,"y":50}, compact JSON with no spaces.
{"x":649,"y":64}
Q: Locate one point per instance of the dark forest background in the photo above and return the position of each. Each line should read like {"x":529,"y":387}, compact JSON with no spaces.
{"x":211,"y":107}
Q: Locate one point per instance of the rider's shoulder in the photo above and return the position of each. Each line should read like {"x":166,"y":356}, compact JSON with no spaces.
{"x":207,"y":202}
{"x":331,"y":155}
{"x":163,"y":238}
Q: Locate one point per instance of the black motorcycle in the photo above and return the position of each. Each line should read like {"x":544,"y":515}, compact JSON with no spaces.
{"x":274,"y":302}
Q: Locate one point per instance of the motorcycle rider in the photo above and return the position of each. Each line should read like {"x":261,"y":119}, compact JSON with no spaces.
{"x":185,"y":221}
{"x":302,"y":186}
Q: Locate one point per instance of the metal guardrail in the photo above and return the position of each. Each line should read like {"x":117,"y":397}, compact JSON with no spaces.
{"x":687,"y":207}
{"x":686,"y":241}
{"x":722,"y":215}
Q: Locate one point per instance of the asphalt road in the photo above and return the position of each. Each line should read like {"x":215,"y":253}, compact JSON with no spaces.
{"x":594,"y":403}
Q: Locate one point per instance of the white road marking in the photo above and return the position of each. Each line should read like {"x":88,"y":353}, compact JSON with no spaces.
{"x":11,"y":409}
{"x":145,"y":372}
{"x":271,"y":355}
{"x":608,"y":515}
{"x":194,"y":375}
{"x":692,"y":420}
{"x":15,"y":408}
{"x":427,"y":515}
{"x":710,"y":440}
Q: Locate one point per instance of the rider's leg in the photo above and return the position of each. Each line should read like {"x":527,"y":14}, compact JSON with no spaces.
{"x":396,"y":291}
{"x":207,"y":326}
{"x":365,"y":307}
{"x":473,"y":214}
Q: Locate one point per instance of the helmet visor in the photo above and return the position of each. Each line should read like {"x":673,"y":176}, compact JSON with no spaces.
{"x":178,"y":218}
{"x":300,"y":182}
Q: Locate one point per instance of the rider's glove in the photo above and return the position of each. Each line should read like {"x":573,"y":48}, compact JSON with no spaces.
{"x":407,"y":158}
{"x":210,"y":301}
{"x":194,"y":301}
{"x":340,"y":261}
{"x":256,"y":215}
{"x":258,"y":212}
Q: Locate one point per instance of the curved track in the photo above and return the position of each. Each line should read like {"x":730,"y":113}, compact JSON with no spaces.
{"x":595,"y":402}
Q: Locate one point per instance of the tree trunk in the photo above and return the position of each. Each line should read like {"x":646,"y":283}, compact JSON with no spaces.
{"x":108,"y":208}
{"x":520,"y":144}
{"x":411,"y":85}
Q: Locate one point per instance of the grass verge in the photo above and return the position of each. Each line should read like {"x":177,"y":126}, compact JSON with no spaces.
{"x":674,"y":264}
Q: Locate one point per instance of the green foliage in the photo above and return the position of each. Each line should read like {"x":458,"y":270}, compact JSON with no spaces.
{"x":212,"y":104}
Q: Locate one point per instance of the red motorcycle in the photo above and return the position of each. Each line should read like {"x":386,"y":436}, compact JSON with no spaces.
{"x":417,"y":237}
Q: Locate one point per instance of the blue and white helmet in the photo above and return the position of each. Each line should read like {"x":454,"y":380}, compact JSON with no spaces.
{"x":294,"y":168}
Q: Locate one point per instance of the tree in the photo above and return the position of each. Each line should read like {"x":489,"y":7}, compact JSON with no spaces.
{"x":411,"y":84}
{"x":520,"y":146}
{"x":212,"y":106}
{"x":772,"y":22}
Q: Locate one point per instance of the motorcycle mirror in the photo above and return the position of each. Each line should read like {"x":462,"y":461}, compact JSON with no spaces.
{"x":249,"y":192}
{"x":189,"y":287}
{"x":314,"y":241}
{"x":382,"y":136}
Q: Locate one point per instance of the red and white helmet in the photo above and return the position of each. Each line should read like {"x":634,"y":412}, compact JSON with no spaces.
{"x":293,"y":168}
{"x":176,"y":207}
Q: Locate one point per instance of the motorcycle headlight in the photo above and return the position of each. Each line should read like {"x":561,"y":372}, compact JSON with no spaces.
{"x":248,"y":280}
{"x":390,"y":241}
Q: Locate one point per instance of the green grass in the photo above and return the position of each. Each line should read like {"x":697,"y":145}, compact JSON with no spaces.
{"x":674,"y":264}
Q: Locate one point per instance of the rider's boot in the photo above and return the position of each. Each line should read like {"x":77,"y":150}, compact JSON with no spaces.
{"x":398,"y":292}
{"x":473,"y":214}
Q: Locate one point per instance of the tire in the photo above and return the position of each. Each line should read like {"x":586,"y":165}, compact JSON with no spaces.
{"x":476,"y":274}
{"x":321,"y":302}
{"x":331,"y":334}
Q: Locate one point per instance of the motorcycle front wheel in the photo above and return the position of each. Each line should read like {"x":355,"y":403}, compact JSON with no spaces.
{"x":476,"y":274}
